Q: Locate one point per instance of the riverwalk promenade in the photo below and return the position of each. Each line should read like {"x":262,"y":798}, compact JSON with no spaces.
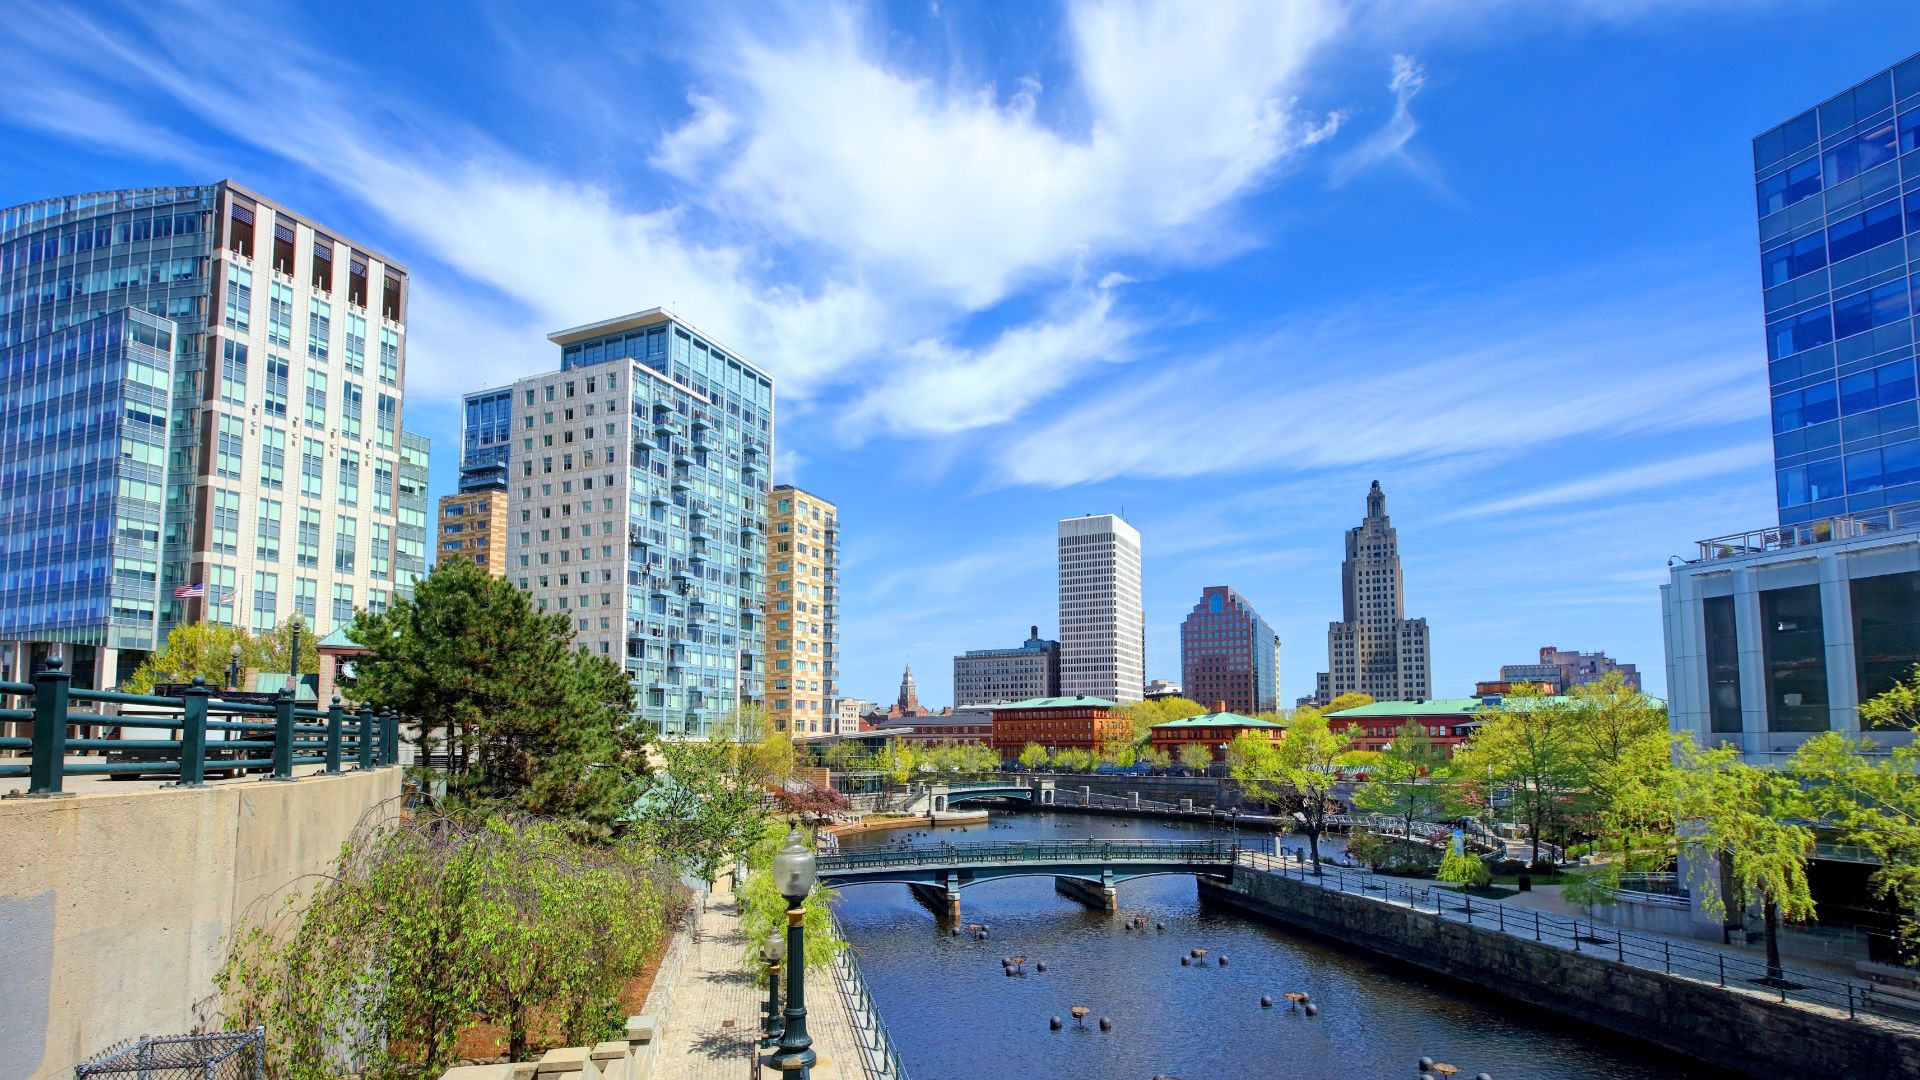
{"x":711,"y":1007}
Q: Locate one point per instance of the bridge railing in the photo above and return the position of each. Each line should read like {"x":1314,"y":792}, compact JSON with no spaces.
{"x":1653,"y":952}
{"x":1205,"y":852}
{"x":878,"y":1055}
{"x":188,"y":734}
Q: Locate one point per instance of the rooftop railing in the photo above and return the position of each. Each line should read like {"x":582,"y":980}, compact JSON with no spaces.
{"x":191,"y":734}
{"x":1808,"y":533}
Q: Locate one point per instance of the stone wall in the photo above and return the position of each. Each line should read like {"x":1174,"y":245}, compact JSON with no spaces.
{"x":1738,"y":1031}
{"x":115,"y":905}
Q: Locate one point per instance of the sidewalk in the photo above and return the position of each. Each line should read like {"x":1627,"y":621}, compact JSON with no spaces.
{"x":713,"y":1022}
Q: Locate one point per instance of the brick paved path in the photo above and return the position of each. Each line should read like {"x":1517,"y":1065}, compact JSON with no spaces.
{"x":710,"y":988}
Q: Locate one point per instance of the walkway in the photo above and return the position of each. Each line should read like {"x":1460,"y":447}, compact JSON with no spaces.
{"x":711,"y":1007}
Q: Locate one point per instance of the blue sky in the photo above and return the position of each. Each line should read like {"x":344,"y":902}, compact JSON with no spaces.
{"x":1219,"y":265}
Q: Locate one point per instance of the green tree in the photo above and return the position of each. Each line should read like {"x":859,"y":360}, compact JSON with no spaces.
{"x":1749,"y":819}
{"x":1463,"y":869}
{"x":1352,"y":699}
{"x":846,"y":756}
{"x":1298,"y":771}
{"x":273,"y":650}
{"x":701,"y":809}
{"x":1145,"y":714}
{"x":1870,"y":797}
{"x":1531,"y":747}
{"x":1033,"y":756}
{"x":1156,"y":758}
{"x":524,"y":718}
{"x":763,"y":911}
{"x":1196,"y":756}
{"x":1625,"y":754}
{"x":192,"y":649}
{"x":897,"y":760}
{"x":1407,"y":780}
{"x":1119,"y":753}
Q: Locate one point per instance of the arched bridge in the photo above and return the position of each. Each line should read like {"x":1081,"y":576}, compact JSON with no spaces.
{"x":1085,"y":870}
{"x":936,"y":796}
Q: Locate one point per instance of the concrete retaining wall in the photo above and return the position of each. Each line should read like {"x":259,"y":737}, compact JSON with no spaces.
{"x":115,"y":906}
{"x":1734,"y":1030}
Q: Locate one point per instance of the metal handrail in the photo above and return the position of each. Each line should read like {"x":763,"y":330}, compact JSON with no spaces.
{"x":1733,"y":972}
{"x":372,"y":738}
{"x":1045,"y":851}
{"x":878,"y":1054}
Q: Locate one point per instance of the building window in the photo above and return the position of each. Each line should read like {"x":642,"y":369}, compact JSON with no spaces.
{"x":379,"y":550}
{"x":351,"y":410}
{"x":316,"y":414}
{"x":389,"y":357}
{"x":1793,"y":641}
{"x":322,"y":264}
{"x":273,"y":457}
{"x":230,"y":447}
{"x":345,"y":537}
{"x":349,"y":478}
{"x":266,"y":600}
{"x":342,"y":604}
{"x":280,"y":315}
{"x":312,"y":467}
{"x":226,"y":522}
{"x":266,"y":531}
{"x":386,"y":419}
{"x":277,"y":371}
{"x":307,"y":553}
{"x":306,"y":593}
{"x":356,"y":358}
{"x":1886,"y":631}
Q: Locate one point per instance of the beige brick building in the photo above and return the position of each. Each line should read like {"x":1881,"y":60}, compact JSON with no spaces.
{"x":803,"y":602}
{"x":473,"y":525}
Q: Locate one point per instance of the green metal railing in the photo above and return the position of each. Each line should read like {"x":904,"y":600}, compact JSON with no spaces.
{"x":1189,"y":852}
{"x":247,"y":735}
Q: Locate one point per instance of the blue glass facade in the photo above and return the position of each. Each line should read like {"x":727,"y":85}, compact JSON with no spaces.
{"x":1837,"y":190}
{"x":486,"y":439}
{"x":691,"y":444}
{"x":83,"y":481}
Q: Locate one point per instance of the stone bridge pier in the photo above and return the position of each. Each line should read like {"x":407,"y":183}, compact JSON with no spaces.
{"x":943,"y":898}
{"x":1099,"y":896}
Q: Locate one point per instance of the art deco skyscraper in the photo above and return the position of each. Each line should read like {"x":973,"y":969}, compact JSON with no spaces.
{"x":1375,"y":649}
{"x":1101,"y":643}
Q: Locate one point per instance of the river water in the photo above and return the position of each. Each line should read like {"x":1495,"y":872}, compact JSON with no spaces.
{"x":956,"y":1016}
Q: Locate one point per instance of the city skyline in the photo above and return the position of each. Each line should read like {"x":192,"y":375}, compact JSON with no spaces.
{"x":1040,"y":376}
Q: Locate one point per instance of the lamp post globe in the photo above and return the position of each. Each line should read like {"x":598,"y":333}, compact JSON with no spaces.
{"x":772,"y":951}
{"x":233,"y":666}
{"x":795,"y":869}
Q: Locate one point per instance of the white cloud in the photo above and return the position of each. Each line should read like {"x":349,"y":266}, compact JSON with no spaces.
{"x":1635,"y":480}
{"x":1389,"y":143}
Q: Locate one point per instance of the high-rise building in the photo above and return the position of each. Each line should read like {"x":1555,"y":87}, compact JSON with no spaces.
{"x":486,"y":439}
{"x":1102,"y":651}
{"x":1833,"y":270}
{"x":234,"y":458}
{"x":1229,"y":654}
{"x":638,"y":507}
{"x":803,"y":607}
{"x":997,"y":676}
{"x":473,"y":525}
{"x":410,"y":543}
{"x":1375,"y":649}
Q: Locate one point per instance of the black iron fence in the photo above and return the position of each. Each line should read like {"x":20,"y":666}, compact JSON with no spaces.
{"x":1728,"y":970}
{"x":184,"y":737}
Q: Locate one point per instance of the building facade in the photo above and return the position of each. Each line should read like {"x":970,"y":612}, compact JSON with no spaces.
{"x":281,"y":434}
{"x":1565,"y":669}
{"x":1834,"y":278}
{"x":959,"y":727}
{"x":412,"y":537}
{"x":1102,"y":626}
{"x":1215,"y":730}
{"x":1777,"y":635}
{"x":486,"y":439}
{"x":473,"y":526}
{"x":638,"y":507}
{"x":1067,"y":722}
{"x":1375,"y":649}
{"x":1229,"y":654}
{"x":803,"y":605}
{"x":1446,"y":722}
{"x":997,"y":676}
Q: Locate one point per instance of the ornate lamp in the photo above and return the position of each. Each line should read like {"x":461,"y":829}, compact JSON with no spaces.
{"x":772,"y":951}
{"x":794,"y":871}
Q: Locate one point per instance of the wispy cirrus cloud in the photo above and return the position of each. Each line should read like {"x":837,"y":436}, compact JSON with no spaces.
{"x":1390,"y":143}
{"x":1751,"y":458}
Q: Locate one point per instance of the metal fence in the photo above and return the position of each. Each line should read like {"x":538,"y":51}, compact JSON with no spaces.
{"x":1730,"y":971}
{"x":878,"y":1053}
{"x":225,"y":1055}
{"x":188,"y":739}
{"x":1198,"y":852}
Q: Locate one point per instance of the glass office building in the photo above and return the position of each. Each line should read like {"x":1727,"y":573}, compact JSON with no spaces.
{"x":1837,"y":191}
{"x":281,"y":427}
{"x":486,"y":439}
{"x":638,"y":505}
{"x":1228,"y":654}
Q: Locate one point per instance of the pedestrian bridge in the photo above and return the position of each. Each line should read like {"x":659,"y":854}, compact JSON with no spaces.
{"x":1085,"y":870}
{"x":936,"y":797}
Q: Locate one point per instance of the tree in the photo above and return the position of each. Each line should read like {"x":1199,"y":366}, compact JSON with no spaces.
{"x":192,"y":649}
{"x":809,"y":803}
{"x":1145,"y":714}
{"x":763,"y":911}
{"x":1156,"y":759}
{"x":1116,"y":752}
{"x":1407,"y":780}
{"x":700,"y":810}
{"x":1529,"y":746}
{"x":1196,"y":756}
{"x":1625,"y":754}
{"x":1871,"y":798}
{"x":846,"y":756}
{"x":1033,"y":756}
{"x":1352,"y":699}
{"x":772,"y":759}
{"x":273,"y":650}
{"x":1300,"y":769}
{"x":524,"y":718}
{"x":1749,"y":819}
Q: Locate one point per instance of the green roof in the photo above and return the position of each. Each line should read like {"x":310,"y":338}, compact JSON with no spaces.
{"x":1219,"y":720}
{"x":272,"y":682}
{"x":1430,"y":707}
{"x":1059,"y":703}
{"x":339,"y":640}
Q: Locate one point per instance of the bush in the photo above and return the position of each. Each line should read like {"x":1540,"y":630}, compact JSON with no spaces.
{"x":1463,"y":869}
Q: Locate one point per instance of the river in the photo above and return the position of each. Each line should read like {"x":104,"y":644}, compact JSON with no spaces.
{"x":956,"y":1016}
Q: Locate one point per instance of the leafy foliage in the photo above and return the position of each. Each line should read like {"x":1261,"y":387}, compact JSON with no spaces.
{"x":525,"y":720}
{"x":1352,"y":699}
{"x":1196,"y":757}
{"x":205,"y":650}
{"x":1408,"y":780}
{"x":1033,"y":756}
{"x":1145,"y":714}
{"x":1298,"y":772}
{"x":701,"y":811}
{"x":763,"y":911}
{"x":425,"y":926}
{"x":1461,"y":868}
{"x":1529,"y":747}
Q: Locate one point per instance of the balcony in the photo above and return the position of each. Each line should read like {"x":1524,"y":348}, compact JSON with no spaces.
{"x":1807,"y":534}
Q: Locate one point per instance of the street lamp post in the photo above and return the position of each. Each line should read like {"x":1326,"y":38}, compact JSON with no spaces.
{"x":293,"y":665}
{"x":794,"y":871}
{"x":771,"y":950}
{"x":233,"y":667}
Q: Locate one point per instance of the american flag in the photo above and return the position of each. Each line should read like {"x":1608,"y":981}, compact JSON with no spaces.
{"x":184,"y":592}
